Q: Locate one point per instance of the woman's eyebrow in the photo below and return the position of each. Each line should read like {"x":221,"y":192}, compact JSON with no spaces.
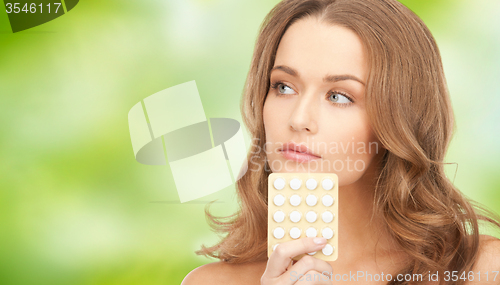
{"x":327,"y":78}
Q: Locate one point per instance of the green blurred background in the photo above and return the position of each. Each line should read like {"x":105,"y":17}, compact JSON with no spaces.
{"x":75,"y":206}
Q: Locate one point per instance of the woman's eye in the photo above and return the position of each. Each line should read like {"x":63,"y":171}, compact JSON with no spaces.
{"x":282,"y":89}
{"x":339,"y":98}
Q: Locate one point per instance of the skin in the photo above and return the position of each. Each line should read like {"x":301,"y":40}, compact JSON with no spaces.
{"x":306,"y":115}
{"x":315,"y":113}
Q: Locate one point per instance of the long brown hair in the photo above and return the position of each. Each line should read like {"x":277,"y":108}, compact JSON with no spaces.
{"x":410,"y":111}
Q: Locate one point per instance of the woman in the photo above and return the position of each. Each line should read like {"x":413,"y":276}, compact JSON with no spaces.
{"x":366,"y":72}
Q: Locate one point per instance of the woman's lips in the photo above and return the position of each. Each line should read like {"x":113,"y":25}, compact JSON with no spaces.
{"x":298,"y":156}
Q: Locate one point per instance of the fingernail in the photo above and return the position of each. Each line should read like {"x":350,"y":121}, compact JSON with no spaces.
{"x":320,"y":240}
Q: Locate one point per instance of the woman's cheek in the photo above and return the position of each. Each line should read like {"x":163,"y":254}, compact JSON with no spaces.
{"x":350,"y":159}
{"x":349,"y":167}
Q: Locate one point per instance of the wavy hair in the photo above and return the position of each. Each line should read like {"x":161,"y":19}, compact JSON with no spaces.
{"x":410,"y":110}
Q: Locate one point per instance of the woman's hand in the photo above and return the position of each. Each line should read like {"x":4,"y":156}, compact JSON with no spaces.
{"x":308,"y":270}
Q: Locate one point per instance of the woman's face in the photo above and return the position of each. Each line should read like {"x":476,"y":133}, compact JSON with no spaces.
{"x":317,"y":100}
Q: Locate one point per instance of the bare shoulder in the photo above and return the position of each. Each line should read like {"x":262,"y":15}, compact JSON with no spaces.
{"x":212,"y":273}
{"x":488,"y":263}
{"x":226,"y":273}
{"x":489,"y":254}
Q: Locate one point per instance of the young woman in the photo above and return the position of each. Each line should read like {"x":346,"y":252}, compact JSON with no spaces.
{"x":366,"y":73}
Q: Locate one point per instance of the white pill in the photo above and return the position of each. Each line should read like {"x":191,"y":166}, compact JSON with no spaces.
{"x":311,"y":200}
{"x":311,"y":232}
{"x":327,"y":200}
{"x":274,"y":247}
{"x":312,"y":253}
{"x":311,"y":183}
{"x":327,"y":216}
{"x":327,"y":184}
{"x":295,"y":216}
{"x":295,"y":233}
{"x":327,"y":250}
{"x":279,"y":233}
{"x":327,"y":233}
{"x":279,"y":183}
{"x":279,"y":200}
{"x":279,"y":216}
{"x":295,"y":184}
{"x":311,"y":216}
{"x":295,"y":200}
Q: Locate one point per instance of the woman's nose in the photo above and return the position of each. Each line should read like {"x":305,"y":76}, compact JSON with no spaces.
{"x":303,"y":117}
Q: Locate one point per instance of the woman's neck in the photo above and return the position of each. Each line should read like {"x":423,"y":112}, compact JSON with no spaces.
{"x":362,"y":233}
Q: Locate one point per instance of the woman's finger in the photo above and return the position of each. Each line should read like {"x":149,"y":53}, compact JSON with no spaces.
{"x":284,"y":252}
{"x":308,"y":268}
{"x":313,"y":277}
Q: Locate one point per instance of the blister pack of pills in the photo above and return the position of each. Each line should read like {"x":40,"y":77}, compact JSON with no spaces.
{"x":303,"y":205}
